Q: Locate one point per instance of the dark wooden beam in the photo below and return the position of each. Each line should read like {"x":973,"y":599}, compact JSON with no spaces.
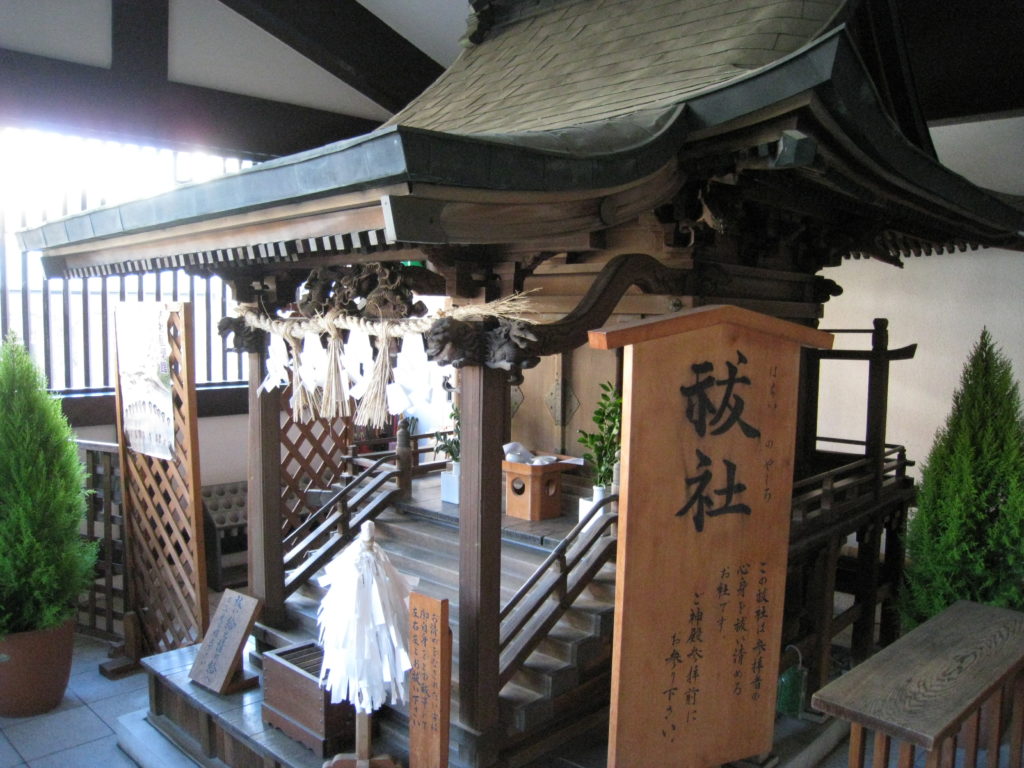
{"x":349,"y":42}
{"x":965,"y":56}
{"x":139,"y":38}
{"x":48,"y":93}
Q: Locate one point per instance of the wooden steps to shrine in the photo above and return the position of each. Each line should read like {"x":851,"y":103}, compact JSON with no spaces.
{"x":564,"y":680}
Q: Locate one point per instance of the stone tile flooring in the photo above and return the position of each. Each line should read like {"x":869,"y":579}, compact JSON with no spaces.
{"x":79,"y":732}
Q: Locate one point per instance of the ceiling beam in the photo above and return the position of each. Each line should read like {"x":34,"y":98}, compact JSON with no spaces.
{"x":349,"y":42}
{"x":47,"y":93}
{"x":965,"y":56}
{"x":139,"y":38}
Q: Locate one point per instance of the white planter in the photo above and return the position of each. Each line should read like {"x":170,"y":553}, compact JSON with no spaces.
{"x":450,"y":484}
{"x":599,"y":492}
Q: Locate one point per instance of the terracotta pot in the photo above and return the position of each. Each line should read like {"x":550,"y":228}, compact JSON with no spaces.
{"x":34,"y":670}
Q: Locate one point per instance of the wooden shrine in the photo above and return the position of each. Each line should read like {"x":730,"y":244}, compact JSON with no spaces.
{"x":725,"y":165}
{"x":709,"y":422}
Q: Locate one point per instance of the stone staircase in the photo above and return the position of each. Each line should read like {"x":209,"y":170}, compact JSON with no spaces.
{"x":564,"y":680}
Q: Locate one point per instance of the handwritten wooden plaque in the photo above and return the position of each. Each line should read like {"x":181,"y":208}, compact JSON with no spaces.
{"x":430,"y":682}
{"x":218,"y":665}
{"x":709,"y":414}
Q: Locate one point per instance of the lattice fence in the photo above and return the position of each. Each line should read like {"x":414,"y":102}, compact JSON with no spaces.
{"x":312,"y":456}
{"x":166,"y":551}
{"x":101,"y":609}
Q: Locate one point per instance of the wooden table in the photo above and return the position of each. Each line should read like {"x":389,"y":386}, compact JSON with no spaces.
{"x":929,"y":689}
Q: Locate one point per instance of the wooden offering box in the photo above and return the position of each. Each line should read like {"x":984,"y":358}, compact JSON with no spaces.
{"x":533,"y":491}
{"x":294,"y":702}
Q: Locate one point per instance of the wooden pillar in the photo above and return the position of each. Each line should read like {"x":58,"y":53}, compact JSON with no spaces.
{"x":878,"y":398}
{"x":484,"y":403}
{"x":266,"y":555}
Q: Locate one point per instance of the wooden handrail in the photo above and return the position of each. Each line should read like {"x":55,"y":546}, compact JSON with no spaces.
{"x":336,"y":521}
{"x":316,"y":517}
{"x":523,"y":622}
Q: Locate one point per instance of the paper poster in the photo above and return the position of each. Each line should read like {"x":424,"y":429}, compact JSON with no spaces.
{"x":143,"y":361}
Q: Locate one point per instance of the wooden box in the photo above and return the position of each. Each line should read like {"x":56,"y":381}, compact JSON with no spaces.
{"x":294,"y":702}
{"x":533,"y":491}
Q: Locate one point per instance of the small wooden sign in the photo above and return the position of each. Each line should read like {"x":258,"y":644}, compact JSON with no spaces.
{"x":218,"y":665}
{"x":709,"y":414}
{"x":430,"y":681}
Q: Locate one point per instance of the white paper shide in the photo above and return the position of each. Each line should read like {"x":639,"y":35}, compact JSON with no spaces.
{"x":364,"y":626}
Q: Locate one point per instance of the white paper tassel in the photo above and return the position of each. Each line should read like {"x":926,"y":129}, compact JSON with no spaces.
{"x":277,"y":365}
{"x":364,"y":626}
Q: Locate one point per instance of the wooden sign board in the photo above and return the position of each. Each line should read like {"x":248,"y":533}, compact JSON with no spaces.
{"x":430,"y":682}
{"x":218,"y":665}
{"x":709,"y":414}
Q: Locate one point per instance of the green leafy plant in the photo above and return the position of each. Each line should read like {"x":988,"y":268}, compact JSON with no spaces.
{"x":450,"y":443}
{"x":603,"y":444}
{"x":966,"y":540}
{"x":44,"y":563}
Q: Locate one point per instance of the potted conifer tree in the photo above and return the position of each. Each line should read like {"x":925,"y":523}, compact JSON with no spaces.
{"x":966,"y":540}
{"x":44,"y":563}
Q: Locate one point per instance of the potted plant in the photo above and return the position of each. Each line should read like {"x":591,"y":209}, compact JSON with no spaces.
{"x":966,"y":540}
{"x":602,"y":445}
{"x":44,"y":563}
{"x":449,"y":443}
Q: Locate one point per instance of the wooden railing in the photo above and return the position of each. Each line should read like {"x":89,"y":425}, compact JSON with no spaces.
{"x":102,"y":607}
{"x":336,"y":521}
{"x":951,"y":685}
{"x":552,"y":589}
{"x":857,"y":482}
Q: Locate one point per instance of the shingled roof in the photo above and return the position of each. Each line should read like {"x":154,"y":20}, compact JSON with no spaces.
{"x":577,"y":115}
{"x":594,"y":60}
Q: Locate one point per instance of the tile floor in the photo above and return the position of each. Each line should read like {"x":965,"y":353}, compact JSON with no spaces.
{"x":80,"y":732}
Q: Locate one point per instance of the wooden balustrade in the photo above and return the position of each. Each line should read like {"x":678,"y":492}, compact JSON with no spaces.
{"x":954,"y":683}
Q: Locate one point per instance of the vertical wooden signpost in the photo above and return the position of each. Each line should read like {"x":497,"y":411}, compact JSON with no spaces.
{"x":709,"y":415}
{"x":430,"y":682}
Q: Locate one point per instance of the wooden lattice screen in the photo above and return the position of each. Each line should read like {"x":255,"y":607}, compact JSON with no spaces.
{"x":163,"y":509}
{"x":312,"y":456}
{"x":101,"y":609}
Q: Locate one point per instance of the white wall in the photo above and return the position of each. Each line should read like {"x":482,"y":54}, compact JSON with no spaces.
{"x":223,"y":447}
{"x":939,"y":302}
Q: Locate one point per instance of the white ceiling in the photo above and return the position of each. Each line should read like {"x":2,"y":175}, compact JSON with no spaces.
{"x":212,"y":46}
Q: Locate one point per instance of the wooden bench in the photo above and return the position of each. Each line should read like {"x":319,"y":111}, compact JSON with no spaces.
{"x":932,"y":688}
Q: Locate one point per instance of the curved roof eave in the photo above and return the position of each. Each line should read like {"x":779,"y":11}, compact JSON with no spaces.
{"x":587,"y":157}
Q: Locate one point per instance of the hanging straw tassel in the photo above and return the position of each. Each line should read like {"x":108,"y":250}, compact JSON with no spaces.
{"x":373,"y":408}
{"x":335,"y":401}
{"x":303,"y":401}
